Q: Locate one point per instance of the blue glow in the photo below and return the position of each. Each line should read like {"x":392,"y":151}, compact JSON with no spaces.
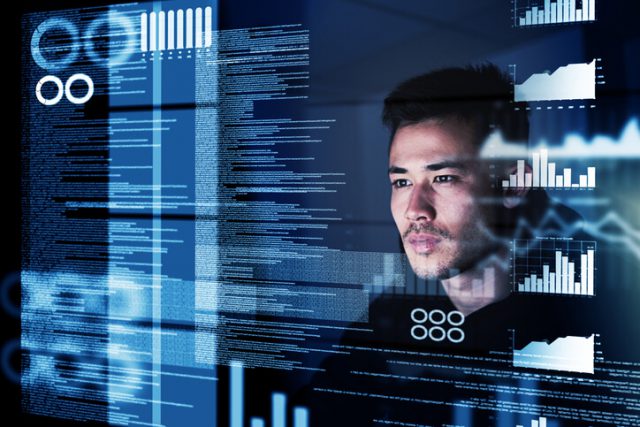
{"x":219,"y":202}
{"x":278,"y":410}
{"x":300,"y":417}
{"x":36,"y":49}
{"x":237,"y":395}
{"x":113,"y":19}
{"x":574,"y":146}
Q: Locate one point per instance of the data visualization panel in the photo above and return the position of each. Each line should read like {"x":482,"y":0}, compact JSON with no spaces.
{"x":330,"y":213}
{"x":529,"y":13}
{"x":552,"y":266}
{"x":568,"y":82}
{"x":568,"y":354}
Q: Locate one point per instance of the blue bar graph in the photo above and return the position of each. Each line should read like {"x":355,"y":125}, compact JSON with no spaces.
{"x":545,"y":12}
{"x":278,"y":404}
{"x":237,"y":394}
{"x":300,"y":417}
{"x":278,"y":410}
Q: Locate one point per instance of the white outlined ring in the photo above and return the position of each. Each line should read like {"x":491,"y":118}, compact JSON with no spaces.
{"x":458,"y":313}
{"x":425,"y":314}
{"x":73,"y":79}
{"x":458,"y":340}
{"x":440,"y":313}
{"x":55,"y":99}
{"x":425,"y":332}
{"x":440,"y":331}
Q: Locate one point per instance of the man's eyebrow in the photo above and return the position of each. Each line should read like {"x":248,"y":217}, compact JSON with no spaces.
{"x":396,"y":169}
{"x":446,"y":164}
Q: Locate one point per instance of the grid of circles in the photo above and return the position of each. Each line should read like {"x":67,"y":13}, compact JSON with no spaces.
{"x":437,"y":332}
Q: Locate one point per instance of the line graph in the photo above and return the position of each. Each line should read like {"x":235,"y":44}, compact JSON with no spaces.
{"x":574,"y":145}
{"x":568,"y":354}
{"x":567,"y":82}
{"x":610,"y":228}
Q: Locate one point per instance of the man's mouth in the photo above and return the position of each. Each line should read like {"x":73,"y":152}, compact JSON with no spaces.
{"x":423,"y":242}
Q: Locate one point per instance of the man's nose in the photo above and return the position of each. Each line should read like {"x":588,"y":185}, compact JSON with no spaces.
{"x":421,"y":206}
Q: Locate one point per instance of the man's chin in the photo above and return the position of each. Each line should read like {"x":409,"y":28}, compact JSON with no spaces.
{"x":430,"y":271}
{"x":431,"y":275}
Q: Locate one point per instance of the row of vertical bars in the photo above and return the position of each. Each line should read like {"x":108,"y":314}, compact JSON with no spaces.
{"x":176,"y":29}
{"x":561,"y":11}
{"x":278,"y":405}
{"x":543,"y":175}
{"x":562,"y":280}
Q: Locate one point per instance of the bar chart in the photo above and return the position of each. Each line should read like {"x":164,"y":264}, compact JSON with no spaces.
{"x":278,"y":405}
{"x":551,"y":266}
{"x":568,"y":354}
{"x":181,"y":29}
{"x":540,"y":422}
{"x":544,"y":175}
{"x":545,"y":12}
{"x":568,"y":82}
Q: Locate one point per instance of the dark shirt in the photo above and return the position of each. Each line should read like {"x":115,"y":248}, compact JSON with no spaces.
{"x":388,"y":376}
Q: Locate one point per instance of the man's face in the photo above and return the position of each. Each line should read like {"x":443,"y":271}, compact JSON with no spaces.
{"x":436,"y":185}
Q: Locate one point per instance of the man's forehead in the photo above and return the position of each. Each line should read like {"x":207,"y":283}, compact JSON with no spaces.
{"x":432,"y":146}
{"x":434,"y":139}
{"x":430,"y":156}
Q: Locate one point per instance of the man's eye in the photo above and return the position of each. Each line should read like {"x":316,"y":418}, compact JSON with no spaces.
{"x":399,"y":183}
{"x":442,"y":179}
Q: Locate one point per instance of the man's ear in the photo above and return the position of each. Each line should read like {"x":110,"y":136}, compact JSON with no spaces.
{"x":514,"y":196}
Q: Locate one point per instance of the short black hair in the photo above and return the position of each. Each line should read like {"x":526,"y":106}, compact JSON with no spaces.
{"x":479,"y":95}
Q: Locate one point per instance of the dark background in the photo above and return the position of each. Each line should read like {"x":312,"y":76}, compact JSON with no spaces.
{"x":367,"y":47}
{"x":11,"y":214}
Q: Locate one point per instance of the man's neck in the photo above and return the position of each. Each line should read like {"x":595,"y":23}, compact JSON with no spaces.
{"x":477,"y":287}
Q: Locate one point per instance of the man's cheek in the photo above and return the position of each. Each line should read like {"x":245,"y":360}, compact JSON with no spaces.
{"x":463,"y":210}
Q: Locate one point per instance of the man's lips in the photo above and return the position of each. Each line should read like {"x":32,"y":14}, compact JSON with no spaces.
{"x":423,"y":242}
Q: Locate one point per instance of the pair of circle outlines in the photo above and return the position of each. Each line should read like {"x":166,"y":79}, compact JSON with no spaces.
{"x":64,"y":90}
{"x":111,"y":19}
{"x":437,"y":317}
{"x":437,"y":333}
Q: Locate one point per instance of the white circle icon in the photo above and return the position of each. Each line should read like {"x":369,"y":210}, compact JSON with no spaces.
{"x":419,"y":332}
{"x":55,"y":99}
{"x":71,"y":80}
{"x":437,"y":317}
{"x":451,"y":335}
{"x":419,"y":315}
{"x":457,"y":315}
{"x":437,"y":333}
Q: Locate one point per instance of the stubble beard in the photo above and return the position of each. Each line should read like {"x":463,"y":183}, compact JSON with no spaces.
{"x":451,"y":256}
